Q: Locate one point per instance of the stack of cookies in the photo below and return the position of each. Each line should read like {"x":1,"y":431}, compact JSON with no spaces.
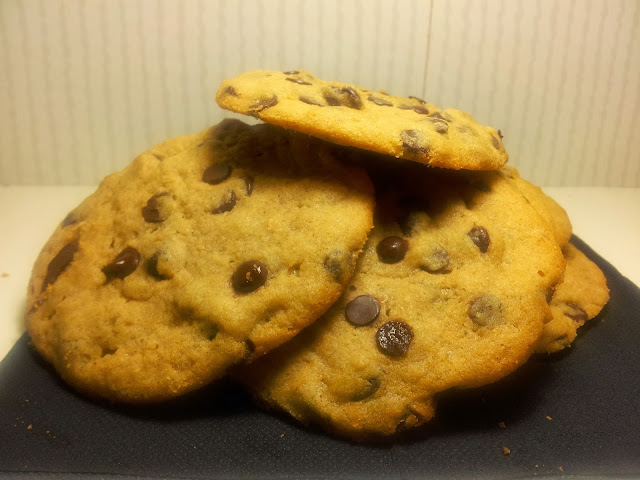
{"x":348,"y":260}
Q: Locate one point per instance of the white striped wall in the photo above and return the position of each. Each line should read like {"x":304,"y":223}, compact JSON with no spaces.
{"x":85,"y":85}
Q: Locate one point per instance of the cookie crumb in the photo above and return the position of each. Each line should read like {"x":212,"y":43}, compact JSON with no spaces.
{"x":29,"y":427}
{"x":282,"y":436}
{"x":502,"y":425}
{"x":561,"y":469}
{"x":549,"y":418}
{"x":505,"y":451}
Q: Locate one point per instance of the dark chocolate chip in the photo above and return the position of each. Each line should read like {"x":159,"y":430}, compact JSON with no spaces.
{"x":261,"y":105}
{"x":150,"y":211}
{"x":231,"y":91}
{"x":123,"y":265}
{"x":227,"y":204}
{"x":371,"y":387}
{"x":337,"y":264}
{"x":69,"y":220}
{"x":346,"y":97}
{"x":292,"y":72}
{"x":297,"y":80}
{"x":379,"y":101}
{"x":216,"y":173}
{"x":362,"y":310}
{"x":152,"y":267}
{"x":480,"y":237}
{"x":248,"y":183}
{"x":59,"y":263}
{"x":310,"y":101}
{"x":416,"y":108}
{"x":440,"y":125}
{"x":418,"y":99}
{"x":437,"y":261}
{"x":438,"y":115}
{"x":249,"y":276}
{"x":393,"y":338}
{"x":392,"y":249}
{"x":485,"y":310}
{"x":413,"y":141}
{"x":495,"y":142}
{"x":500,"y":135}
{"x":578,"y":314}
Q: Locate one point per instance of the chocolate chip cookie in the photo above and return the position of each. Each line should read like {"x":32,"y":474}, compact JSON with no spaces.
{"x":406,"y":127}
{"x":579,"y":297}
{"x":449,"y":292}
{"x":206,"y":251}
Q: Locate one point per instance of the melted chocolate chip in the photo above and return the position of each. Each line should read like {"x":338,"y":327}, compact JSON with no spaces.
{"x":150,"y":211}
{"x":292,"y":72}
{"x":418,"y":99}
{"x":152,"y":267}
{"x":500,"y":135}
{"x":495,"y":142}
{"x":440,"y":125}
{"x":69,"y":220}
{"x":362,"y":310}
{"x":392,"y":249}
{"x":261,"y":105}
{"x":379,"y":101}
{"x":438,"y":115}
{"x":297,"y":80}
{"x":416,"y":108}
{"x":371,"y":387}
{"x":248,"y":183}
{"x":413,"y":141}
{"x":480,"y":237}
{"x":231,"y":91}
{"x":59,"y":263}
{"x":437,"y":261}
{"x":485,"y":310}
{"x":310,"y":101}
{"x":346,"y":97}
{"x":227,"y":204}
{"x":216,"y":173}
{"x":123,"y":265}
{"x":337,"y":263}
{"x":249,"y":276}
{"x":578,"y":314}
{"x":393,"y":338}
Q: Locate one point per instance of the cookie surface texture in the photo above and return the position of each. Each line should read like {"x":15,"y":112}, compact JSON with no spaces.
{"x":449,"y":292}
{"x":406,"y":127}
{"x":206,"y":251}
{"x":579,"y":298}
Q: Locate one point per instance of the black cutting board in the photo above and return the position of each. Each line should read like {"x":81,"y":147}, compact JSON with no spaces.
{"x":576,"y":413}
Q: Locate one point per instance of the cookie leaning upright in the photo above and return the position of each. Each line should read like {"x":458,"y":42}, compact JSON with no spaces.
{"x":206,"y":251}
{"x":349,"y":115}
{"x":450,"y":292}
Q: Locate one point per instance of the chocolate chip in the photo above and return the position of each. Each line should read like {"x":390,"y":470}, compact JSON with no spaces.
{"x":346,"y":97}
{"x":337,"y":263}
{"x":437,"y":261}
{"x":310,"y":101}
{"x":550,"y":293}
{"x":578,"y":314}
{"x":362,"y":310}
{"x":249,"y":349}
{"x":152,"y":267}
{"x":394,"y":337}
{"x":292,"y":72}
{"x":227,"y":204}
{"x":150,"y":211}
{"x":216,"y":173}
{"x":248,"y":183}
{"x":438,"y":115}
{"x":249,"y":276}
{"x":59,"y":263}
{"x":123,"y":265}
{"x":418,"y":99}
{"x":379,"y":101}
{"x":485,"y":310}
{"x":500,"y":135}
{"x":69,"y":220}
{"x":371,"y":387}
{"x":416,"y":108}
{"x":495,"y":142}
{"x":261,"y":105}
{"x":480,"y":237}
{"x":413,"y":141}
{"x":440,"y":125}
{"x":392,"y":249}
{"x":231,"y":91}
{"x":297,"y":80}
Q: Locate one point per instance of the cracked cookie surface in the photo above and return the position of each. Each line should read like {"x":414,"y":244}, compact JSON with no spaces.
{"x":208,"y":250}
{"x":406,"y":127}
{"x":449,"y":292}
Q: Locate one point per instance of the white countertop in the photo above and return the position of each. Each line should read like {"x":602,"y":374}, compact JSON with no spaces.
{"x":607,"y":219}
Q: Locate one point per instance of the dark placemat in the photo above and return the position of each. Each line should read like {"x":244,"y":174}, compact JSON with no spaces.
{"x":573,"y":413}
